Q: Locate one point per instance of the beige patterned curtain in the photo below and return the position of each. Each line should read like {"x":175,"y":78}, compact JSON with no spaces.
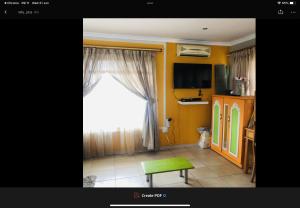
{"x":243,"y":65}
{"x":92,"y":68}
{"x":137,"y":73}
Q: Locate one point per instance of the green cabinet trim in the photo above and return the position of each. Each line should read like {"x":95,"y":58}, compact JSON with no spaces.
{"x":216,"y":123}
{"x":234,"y":129}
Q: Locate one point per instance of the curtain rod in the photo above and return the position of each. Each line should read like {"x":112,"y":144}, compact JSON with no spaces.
{"x":124,"y":48}
{"x":240,"y":50}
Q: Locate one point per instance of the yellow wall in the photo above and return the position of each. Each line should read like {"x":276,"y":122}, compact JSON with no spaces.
{"x":185,"y":119}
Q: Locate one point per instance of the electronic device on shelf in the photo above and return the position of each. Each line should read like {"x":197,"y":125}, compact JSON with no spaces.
{"x":190,"y":99}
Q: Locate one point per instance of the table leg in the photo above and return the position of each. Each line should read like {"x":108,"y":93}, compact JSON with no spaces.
{"x":151,"y":180}
{"x":254,"y":163}
{"x":181,"y":175}
{"x":246,"y":157}
{"x":186,"y":176}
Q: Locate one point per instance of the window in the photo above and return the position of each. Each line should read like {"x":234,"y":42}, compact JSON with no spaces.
{"x":111,"y":106}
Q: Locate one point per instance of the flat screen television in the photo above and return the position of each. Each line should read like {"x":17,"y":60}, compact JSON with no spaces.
{"x":188,"y":76}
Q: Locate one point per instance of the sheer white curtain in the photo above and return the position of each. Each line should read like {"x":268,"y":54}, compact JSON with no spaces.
{"x":137,"y":72}
{"x":112,"y":119}
{"x":120,"y":113}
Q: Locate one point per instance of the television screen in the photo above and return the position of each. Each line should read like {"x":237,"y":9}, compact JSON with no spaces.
{"x":188,"y":76}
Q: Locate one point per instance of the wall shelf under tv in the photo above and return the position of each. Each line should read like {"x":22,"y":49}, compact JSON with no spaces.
{"x":193,"y":103}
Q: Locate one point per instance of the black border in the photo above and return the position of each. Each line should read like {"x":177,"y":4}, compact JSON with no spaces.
{"x":42,"y":118}
{"x":69,"y":9}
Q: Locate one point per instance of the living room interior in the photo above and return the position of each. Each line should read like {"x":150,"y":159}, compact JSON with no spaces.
{"x":169,"y":102}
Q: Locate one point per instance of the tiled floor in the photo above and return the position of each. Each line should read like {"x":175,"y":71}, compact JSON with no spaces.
{"x":211,"y":170}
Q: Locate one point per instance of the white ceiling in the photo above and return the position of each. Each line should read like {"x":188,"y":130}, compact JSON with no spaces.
{"x":219,"y":30}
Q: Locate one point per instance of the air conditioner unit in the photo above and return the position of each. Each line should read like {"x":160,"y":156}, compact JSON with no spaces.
{"x":193,"y":50}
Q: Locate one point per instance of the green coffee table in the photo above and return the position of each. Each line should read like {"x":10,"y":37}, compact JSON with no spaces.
{"x":166,"y":165}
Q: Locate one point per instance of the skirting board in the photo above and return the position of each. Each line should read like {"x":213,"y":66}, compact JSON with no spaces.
{"x":178,"y":146}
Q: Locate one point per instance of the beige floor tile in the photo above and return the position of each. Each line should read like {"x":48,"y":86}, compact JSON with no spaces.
{"x":185,"y":154}
{"x":213,"y":161}
{"x":223,"y":170}
{"x":124,"y":157}
{"x":139,"y":181}
{"x":239,"y":180}
{"x":143,"y":157}
{"x":201,"y":158}
{"x":178,"y":150}
{"x":87,"y":164}
{"x":201,"y":151}
{"x":105,"y":174}
{"x":197,"y":152}
{"x":213,"y":153}
{"x":197,"y":163}
{"x":125,"y":162}
{"x":213,"y":182}
{"x":191,"y":183}
{"x":128,"y":172}
{"x":103,"y":160}
{"x":103,"y":163}
{"x":167,"y":178}
{"x":167,"y":152}
{"x":204,"y":172}
{"x":98,"y":165}
{"x":107,"y":183}
{"x":162,"y":155}
{"x":235,"y":169}
{"x":225,"y":161}
{"x":100,"y":168}
{"x":126,"y":165}
{"x":204,"y":154}
{"x":194,"y":148}
{"x":87,"y":172}
{"x":87,"y":168}
{"x":140,"y":168}
{"x":211,"y":170}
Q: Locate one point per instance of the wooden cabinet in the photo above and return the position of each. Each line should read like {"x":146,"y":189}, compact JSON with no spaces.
{"x":230,"y":115}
